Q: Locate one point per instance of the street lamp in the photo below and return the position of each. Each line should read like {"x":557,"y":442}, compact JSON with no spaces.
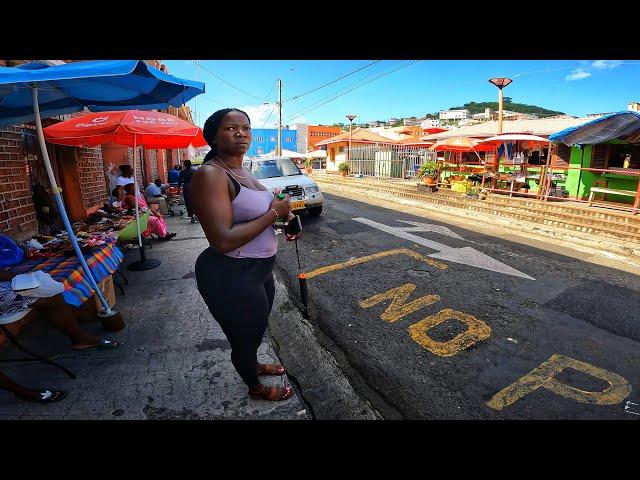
{"x":500,"y":83}
{"x":350,"y":117}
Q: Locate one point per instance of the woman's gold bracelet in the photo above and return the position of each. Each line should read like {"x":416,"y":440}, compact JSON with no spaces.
{"x":277,"y":214}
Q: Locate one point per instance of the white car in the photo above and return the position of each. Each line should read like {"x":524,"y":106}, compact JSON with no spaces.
{"x":282,"y":173}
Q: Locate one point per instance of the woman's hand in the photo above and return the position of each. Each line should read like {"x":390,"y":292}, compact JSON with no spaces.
{"x":292,"y":237}
{"x":283,"y":207}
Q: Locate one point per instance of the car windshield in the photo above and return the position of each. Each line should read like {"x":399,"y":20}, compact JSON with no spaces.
{"x":278,"y":167}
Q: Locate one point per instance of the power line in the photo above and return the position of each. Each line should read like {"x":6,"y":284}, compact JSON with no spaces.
{"x":230,"y":84}
{"x":267,"y":96}
{"x":272,"y":110}
{"x":348,"y":91}
{"x":211,"y":99}
{"x":342,"y":89}
{"x":334,"y":81}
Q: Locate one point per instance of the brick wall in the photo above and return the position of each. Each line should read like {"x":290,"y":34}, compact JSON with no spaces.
{"x":152,"y":162}
{"x":162,"y":165}
{"x":139,"y":178}
{"x":92,"y":180}
{"x":17,"y":213}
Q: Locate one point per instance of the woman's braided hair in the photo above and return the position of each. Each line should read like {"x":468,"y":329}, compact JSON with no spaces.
{"x":210,"y":129}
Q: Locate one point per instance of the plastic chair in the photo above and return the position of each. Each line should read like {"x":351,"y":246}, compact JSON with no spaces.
{"x":129,"y":234}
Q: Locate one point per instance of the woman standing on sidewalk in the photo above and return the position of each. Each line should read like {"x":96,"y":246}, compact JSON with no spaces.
{"x":235,"y":274}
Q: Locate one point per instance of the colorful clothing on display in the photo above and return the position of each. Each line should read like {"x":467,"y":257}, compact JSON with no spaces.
{"x":102,"y":261}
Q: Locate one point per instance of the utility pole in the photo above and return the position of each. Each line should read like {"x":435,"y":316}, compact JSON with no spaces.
{"x":500,"y":83}
{"x":350,"y":117}
{"x":279,"y":149}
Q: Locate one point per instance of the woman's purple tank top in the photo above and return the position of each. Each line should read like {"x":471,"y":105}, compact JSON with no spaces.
{"x":248,"y":205}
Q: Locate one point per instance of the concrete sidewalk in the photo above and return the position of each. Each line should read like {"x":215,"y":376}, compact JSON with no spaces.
{"x":174,"y":363}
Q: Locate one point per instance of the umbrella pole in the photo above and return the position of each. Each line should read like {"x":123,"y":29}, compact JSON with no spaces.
{"x":144,"y":263}
{"x":58,"y":199}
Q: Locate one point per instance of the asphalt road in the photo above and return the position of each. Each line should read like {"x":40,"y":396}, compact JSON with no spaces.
{"x":452,"y":324}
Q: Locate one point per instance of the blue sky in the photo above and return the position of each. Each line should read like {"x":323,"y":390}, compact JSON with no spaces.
{"x":576,"y":87}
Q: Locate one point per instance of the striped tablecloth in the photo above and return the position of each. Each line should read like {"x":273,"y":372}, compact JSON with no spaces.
{"x":102,"y":261}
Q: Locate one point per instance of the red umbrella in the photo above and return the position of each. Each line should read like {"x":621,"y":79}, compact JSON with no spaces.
{"x":131,"y":128}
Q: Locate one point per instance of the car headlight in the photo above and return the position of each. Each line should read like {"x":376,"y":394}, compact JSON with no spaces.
{"x":311,"y":189}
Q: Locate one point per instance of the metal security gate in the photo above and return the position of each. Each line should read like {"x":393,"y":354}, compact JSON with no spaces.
{"x":388,"y":161}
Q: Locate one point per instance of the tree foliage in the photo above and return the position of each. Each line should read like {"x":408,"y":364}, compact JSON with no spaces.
{"x":479,"y":107}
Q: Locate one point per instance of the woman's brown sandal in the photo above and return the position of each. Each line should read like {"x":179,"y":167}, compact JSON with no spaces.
{"x":268,"y":369}
{"x":271,"y":393}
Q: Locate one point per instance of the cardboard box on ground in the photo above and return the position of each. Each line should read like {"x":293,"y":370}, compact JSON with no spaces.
{"x":108,"y":292}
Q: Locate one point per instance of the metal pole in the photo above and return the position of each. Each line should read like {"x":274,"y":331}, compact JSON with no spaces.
{"x":637,"y":199}
{"x":550,"y":174}
{"x":195,"y":101}
{"x":58,"y":199}
{"x":135,"y":190}
{"x":143,"y":263}
{"x":279,"y":150}
{"x":350,"y":135}
{"x":500,"y":111}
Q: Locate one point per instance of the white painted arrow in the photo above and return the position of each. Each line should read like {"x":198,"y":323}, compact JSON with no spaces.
{"x":465,"y":255}
{"x":428,"y":227}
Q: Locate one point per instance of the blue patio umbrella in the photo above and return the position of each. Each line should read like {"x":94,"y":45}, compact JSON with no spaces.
{"x":35,"y":90}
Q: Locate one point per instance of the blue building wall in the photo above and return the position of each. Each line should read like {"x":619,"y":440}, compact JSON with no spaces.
{"x":266,"y":139}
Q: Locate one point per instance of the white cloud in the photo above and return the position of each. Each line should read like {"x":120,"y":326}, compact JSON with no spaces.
{"x":577,"y":74}
{"x":259,"y":114}
{"x":606,"y":64}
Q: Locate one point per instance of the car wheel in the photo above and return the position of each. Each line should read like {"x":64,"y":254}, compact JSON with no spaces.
{"x":315,"y":211}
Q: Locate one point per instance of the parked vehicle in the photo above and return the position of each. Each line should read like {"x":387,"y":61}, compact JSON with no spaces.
{"x":283,"y":173}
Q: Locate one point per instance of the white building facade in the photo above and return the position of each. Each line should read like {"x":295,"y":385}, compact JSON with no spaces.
{"x":454,"y":114}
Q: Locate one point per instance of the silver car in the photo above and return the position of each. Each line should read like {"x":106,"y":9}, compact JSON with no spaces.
{"x":283,"y":173}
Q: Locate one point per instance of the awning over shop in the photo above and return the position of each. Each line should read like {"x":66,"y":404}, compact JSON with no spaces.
{"x":600,"y":130}
{"x":286,"y":153}
{"x":512,"y":137}
{"x":460,"y":144}
{"x":99,"y":85}
{"x":317,"y":154}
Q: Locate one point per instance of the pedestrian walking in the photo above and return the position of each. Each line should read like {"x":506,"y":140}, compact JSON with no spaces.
{"x":184,"y":181}
{"x":235,"y":273}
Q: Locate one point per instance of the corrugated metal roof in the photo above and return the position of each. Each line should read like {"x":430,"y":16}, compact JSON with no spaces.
{"x":540,"y":126}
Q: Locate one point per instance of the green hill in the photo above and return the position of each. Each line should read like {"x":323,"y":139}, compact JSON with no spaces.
{"x":479,"y":107}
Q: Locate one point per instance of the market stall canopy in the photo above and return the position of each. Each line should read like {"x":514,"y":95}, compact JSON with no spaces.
{"x":130,"y":128}
{"x":317,"y":154}
{"x":286,"y":153}
{"x":512,"y":137}
{"x":460,"y":144}
{"x":600,"y":130}
{"x":35,"y":90}
{"x":101,"y":85}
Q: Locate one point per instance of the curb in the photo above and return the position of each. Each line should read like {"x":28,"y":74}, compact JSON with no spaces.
{"x":323,"y":386}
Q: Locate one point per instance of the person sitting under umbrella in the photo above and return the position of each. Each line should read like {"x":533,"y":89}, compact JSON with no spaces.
{"x":154,"y":193}
{"x":127,"y":176}
{"x":14,"y":307}
{"x":156,"y":224}
{"x":41,"y":395}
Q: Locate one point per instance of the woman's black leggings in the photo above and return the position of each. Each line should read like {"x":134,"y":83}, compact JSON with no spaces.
{"x":239,"y":293}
